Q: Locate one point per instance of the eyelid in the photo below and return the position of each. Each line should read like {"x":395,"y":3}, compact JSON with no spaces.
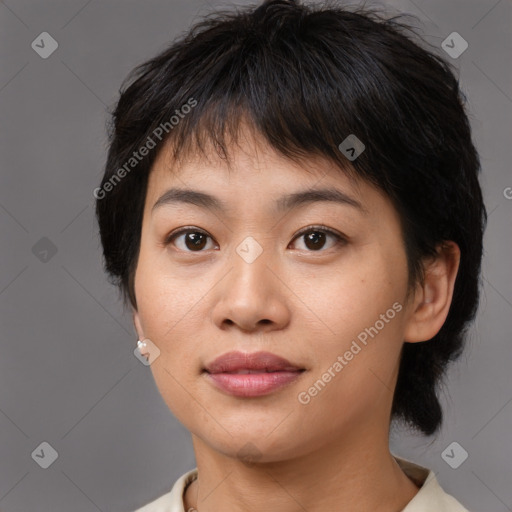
{"x":185,"y":229}
{"x":320,"y":227}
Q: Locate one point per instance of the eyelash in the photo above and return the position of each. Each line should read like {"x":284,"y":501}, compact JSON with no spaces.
{"x":340,"y":239}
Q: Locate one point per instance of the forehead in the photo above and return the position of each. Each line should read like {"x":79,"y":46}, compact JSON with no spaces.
{"x":252,"y":168}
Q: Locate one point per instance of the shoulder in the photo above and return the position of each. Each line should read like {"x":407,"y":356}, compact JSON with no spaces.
{"x":431,"y":496}
{"x":173,"y":500}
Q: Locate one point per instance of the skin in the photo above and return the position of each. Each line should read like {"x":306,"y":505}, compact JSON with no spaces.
{"x":303,"y":304}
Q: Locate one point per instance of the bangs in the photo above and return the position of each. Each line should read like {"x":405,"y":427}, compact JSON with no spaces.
{"x":304,"y":91}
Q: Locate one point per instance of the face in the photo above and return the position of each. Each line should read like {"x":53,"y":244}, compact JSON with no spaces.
{"x":321,"y":283}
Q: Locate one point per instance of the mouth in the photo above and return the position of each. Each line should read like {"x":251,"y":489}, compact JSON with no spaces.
{"x":256,"y":362}
{"x":248,"y":383}
{"x":247,"y":371}
{"x":251,"y":375}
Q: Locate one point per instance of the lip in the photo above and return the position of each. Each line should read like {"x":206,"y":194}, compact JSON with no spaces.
{"x":269,"y":372}
{"x":235,"y":361}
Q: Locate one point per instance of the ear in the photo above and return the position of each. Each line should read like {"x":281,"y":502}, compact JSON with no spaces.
{"x":433,"y":297}
{"x":138,"y":325}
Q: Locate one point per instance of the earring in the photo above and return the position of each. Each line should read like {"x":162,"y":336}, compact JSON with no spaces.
{"x":148,"y":349}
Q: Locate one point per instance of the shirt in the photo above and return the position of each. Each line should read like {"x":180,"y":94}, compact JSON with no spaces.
{"x":430,"y":498}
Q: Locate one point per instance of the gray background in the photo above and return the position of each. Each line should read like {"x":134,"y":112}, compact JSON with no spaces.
{"x":68,"y":375}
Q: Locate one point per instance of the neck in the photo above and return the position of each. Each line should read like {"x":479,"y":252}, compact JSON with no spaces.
{"x":356,"y":474}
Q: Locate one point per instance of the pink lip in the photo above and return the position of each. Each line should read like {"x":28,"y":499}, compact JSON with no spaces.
{"x":256,"y":384}
{"x":233,"y":361}
{"x":273,"y":373}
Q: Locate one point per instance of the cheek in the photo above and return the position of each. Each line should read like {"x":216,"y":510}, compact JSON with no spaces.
{"x":163,"y":296}
{"x":167,"y":316}
{"x":357,"y":361}
{"x":353,"y":295}
{"x":361,"y":311}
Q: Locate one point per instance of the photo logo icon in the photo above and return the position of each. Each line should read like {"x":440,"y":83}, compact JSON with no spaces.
{"x":351,"y":147}
{"x":454,"y":45}
{"x":44,"y":250}
{"x":249,"y":249}
{"x":146,"y":351}
{"x":44,"y":45}
{"x":454,"y":455}
{"x":249,"y":454}
{"x":45,"y":455}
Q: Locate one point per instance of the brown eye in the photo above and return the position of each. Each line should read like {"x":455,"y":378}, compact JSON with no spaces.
{"x":192,"y":240}
{"x":195,"y":240}
{"x":315,"y":238}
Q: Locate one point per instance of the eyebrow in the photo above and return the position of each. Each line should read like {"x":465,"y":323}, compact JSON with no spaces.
{"x":284,"y":203}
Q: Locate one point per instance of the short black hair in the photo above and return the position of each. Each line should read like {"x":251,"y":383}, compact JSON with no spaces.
{"x":305,"y":77}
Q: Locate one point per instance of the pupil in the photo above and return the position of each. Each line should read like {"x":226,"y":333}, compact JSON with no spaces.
{"x":195,"y":239}
{"x":315,"y":237}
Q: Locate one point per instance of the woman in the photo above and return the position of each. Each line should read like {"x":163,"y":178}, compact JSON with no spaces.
{"x":292,"y":211}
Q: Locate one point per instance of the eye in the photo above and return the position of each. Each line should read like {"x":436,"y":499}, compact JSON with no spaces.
{"x":316,"y":236}
{"x":194,"y":239}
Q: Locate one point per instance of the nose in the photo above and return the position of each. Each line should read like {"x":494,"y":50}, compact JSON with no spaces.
{"x":252,"y":297}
